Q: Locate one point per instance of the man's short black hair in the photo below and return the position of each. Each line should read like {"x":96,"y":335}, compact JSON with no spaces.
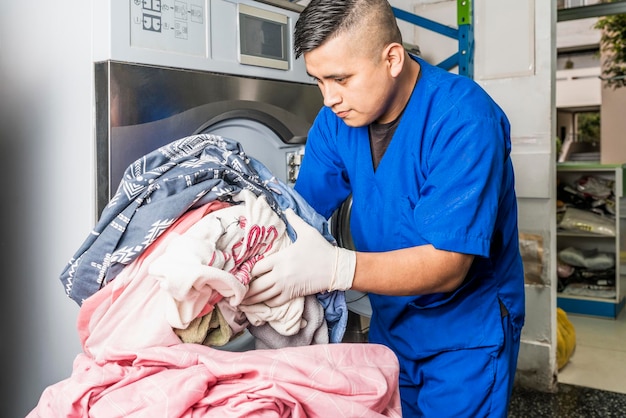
{"x":323,"y":19}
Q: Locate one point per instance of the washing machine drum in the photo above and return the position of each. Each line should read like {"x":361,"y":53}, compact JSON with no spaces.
{"x":259,"y":138}
{"x":277,"y":141}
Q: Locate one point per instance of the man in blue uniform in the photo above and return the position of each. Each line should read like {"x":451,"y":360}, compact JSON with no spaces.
{"x":424,"y":154}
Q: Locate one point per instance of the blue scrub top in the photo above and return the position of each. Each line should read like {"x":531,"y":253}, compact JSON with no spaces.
{"x":446,"y":179}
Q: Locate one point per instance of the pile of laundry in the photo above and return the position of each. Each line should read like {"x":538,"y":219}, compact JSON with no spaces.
{"x":586,"y":272}
{"x":160,"y":281}
{"x":586,"y":205}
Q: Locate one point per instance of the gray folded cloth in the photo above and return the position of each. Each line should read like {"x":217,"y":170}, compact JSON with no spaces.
{"x":314,"y":332}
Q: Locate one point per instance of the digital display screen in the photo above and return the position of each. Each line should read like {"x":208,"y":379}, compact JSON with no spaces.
{"x":263,"y":38}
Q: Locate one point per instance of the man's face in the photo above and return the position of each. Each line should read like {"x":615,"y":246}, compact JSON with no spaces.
{"x":355,"y":82}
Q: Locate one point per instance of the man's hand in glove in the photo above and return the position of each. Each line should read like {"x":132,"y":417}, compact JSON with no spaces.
{"x":310,"y":265}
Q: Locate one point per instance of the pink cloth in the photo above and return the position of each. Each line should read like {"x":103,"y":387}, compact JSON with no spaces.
{"x":191,"y":380}
{"x":127,"y":314}
{"x":134,"y":365}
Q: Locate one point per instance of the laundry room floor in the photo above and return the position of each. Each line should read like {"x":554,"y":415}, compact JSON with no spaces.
{"x":593,"y":382}
{"x":569,"y":402}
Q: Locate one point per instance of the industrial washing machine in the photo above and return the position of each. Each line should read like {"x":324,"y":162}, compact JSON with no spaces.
{"x":204,"y":66}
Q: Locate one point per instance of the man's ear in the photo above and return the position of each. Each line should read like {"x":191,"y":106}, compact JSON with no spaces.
{"x":394,"y":56}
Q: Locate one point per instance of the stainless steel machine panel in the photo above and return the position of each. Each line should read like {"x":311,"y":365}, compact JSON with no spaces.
{"x":140,"y":108}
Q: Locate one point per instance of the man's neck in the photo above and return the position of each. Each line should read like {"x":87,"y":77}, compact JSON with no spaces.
{"x":406,"y":83}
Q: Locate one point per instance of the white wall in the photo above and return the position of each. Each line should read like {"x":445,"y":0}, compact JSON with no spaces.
{"x":515,"y":62}
{"x":47,"y":161}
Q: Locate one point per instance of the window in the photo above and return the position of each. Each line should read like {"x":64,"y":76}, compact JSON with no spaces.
{"x":588,"y":58}
{"x":567,"y":4}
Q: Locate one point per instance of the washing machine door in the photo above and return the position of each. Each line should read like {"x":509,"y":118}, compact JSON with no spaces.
{"x":261,"y":138}
{"x":265,"y":138}
{"x":263,"y":134}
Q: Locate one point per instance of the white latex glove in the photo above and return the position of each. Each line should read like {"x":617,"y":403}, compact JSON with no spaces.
{"x":310,"y":265}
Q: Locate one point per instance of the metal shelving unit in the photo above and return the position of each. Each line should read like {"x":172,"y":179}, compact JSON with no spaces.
{"x":464,"y":57}
{"x":614,"y":244}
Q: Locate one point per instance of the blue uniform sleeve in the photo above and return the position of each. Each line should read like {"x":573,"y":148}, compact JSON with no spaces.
{"x":460,"y":198}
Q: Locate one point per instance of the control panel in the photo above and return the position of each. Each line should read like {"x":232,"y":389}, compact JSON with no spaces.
{"x":238,"y":37}
{"x":173,"y":26}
